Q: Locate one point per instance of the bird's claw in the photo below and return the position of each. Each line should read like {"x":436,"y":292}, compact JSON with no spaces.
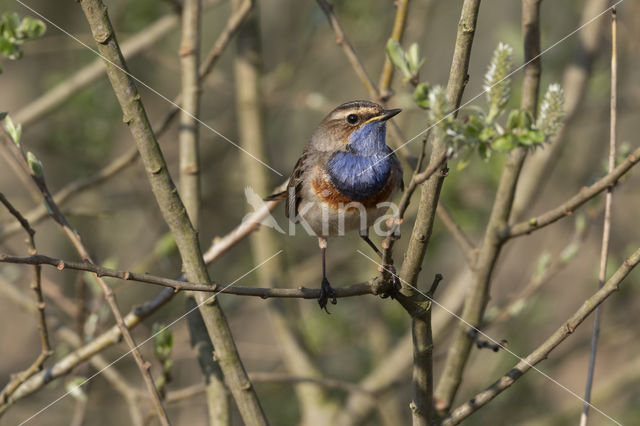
{"x":326,"y":292}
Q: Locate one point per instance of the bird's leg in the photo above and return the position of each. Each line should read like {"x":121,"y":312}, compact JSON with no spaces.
{"x":326,"y":291}
{"x":392,"y":269}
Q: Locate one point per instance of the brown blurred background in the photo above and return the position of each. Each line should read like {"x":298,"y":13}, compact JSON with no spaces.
{"x":305,"y":76}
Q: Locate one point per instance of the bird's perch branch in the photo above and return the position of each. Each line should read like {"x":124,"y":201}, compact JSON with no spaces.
{"x":177,"y":285}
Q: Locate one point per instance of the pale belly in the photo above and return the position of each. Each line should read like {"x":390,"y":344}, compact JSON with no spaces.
{"x":323,"y":220}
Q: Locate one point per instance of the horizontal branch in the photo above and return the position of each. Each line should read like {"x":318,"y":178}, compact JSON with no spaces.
{"x":264,"y":293}
{"x":542,"y":352}
{"x":280,"y":378}
{"x":567,"y":208}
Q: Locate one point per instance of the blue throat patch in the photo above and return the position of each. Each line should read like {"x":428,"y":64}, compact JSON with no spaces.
{"x":364,"y":168}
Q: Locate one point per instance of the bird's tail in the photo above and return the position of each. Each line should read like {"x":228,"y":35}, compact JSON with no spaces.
{"x":277,"y":196}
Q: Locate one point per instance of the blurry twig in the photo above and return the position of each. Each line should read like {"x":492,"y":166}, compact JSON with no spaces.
{"x":542,"y":276}
{"x":606,"y":231}
{"x":111,"y":374}
{"x":464,"y":243}
{"x":489,"y":252}
{"x":356,"y":64}
{"x":131,"y":47}
{"x":268,"y":377}
{"x":348,"y":50}
{"x":36,"y":174}
{"x":45,"y":346}
{"x":315,"y":404}
{"x":567,"y":208}
{"x":128,"y":158}
{"x":541,"y":352}
{"x":113,"y":335}
{"x":399,"y":24}
{"x":540,"y":163}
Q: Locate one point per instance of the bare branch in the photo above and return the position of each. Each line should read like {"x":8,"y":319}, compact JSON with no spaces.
{"x":489,"y":252}
{"x":178,"y":285}
{"x":36,"y":286}
{"x":172,"y":210}
{"x":75,"y":239}
{"x":464,"y":243}
{"x":542,"y":352}
{"x":606,"y":231}
{"x":567,"y":208}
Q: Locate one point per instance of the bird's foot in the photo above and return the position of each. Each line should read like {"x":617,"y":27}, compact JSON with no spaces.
{"x":395,"y":286}
{"x":326,"y":292}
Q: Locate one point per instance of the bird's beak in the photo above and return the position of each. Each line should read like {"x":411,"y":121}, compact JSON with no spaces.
{"x":388,"y":114}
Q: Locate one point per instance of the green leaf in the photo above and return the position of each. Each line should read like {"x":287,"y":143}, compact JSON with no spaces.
{"x":397,"y":56}
{"x":484,"y":151}
{"x":487,"y":134}
{"x":413,"y":59}
{"x":15,"y":131}
{"x":512,"y":120}
{"x":10,"y":23}
{"x":3,"y":115}
{"x":504,"y":143}
{"x":162,"y":341}
{"x":31,"y":28}
{"x":421,"y":95}
{"x":34,"y":164}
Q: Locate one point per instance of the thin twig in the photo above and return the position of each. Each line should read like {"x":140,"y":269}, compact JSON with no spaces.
{"x":113,"y":335}
{"x":179,"y":285}
{"x":539,"y":165}
{"x":232,"y":26}
{"x":173,"y":211}
{"x":464,"y":243}
{"x":189,"y":53}
{"x":542,"y":352}
{"x":75,"y":239}
{"x":315,"y":404}
{"x":559,"y":262}
{"x":606,"y":231}
{"x":358,"y":67}
{"x":568,"y":207}
{"x":36,"y":286}
{"x":399,"y":23}
{"x":120,"y":384}
{"x":489,"y":252}
{"x":137,"y":43}
{"x":128,"y":158}
{"x":282,"y":378}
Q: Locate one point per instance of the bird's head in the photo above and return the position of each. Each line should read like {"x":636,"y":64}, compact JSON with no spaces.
{"x":356,"y":126}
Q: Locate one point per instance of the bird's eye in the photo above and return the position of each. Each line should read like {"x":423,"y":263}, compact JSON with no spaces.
{"x":352,"y":119}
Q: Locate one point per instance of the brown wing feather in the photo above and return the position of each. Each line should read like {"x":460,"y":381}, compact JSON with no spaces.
{"x":295,"y":185}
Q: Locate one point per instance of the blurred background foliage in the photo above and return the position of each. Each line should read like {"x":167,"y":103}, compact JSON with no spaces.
{"x":305,"y":76}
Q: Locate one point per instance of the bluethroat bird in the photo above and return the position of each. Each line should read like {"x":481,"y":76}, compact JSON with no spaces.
{"x":344,"y":178}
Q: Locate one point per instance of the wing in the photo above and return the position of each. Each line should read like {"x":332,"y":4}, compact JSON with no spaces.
{"x":398,"y":169}
{"x":294,"y":189}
